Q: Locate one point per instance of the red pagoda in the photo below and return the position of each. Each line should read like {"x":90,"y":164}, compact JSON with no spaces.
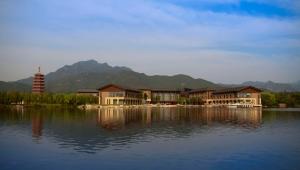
{"x":38,"y":84}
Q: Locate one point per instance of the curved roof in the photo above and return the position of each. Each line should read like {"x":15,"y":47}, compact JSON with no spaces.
{"x":87,"y":91}
{"x":119,"y":87}
{"x":235,"y":89}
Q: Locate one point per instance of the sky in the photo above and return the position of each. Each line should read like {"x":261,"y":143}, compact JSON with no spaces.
{"x":224,"y":41}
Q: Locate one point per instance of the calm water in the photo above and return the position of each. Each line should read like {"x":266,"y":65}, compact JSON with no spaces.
{"x":150,"y":138}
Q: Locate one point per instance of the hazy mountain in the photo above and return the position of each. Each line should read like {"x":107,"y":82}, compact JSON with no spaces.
{"x":14,"y":86}
{"x":296,"y":85}
{"x":272,"y":86}
{"x":269,"y":85}
{"x":91,"y":74}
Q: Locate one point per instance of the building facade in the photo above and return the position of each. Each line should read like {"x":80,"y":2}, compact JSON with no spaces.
{"x":88,"y":92}
{"x":236,"y":97}
{"x":240,"y":96}
{"x":117,"y":95}
{"x":38,"y":84}
{"x":200,"y":96}
{"x":165,"y":96}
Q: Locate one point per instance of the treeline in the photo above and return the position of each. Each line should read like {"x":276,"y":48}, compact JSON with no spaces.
{"x":272,"y":99}
{"x":46,"y":98}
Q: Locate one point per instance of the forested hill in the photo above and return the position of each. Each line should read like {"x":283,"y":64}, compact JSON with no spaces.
{"x":14,"y":86}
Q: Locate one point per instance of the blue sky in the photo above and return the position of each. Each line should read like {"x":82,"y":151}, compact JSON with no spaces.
{"x":226,"y":41}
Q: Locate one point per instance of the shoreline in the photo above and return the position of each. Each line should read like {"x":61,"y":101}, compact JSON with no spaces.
{"x":290,"y":109}
{"x":38,"y":105}
{"x":96,"y":106}
{"x":89,"y":106}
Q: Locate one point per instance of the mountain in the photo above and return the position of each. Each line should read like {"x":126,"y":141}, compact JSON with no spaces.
{"x":14,"y":86}
{"x":296,"y":85}
{"x":92,"y":75}
{"x":270,"y":85}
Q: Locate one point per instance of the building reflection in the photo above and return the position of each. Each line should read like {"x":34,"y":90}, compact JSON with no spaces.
{"x":120,"y":127}
{"x":112,"y":118}
{"x":37,"y":126}
{"x":116,"y":118}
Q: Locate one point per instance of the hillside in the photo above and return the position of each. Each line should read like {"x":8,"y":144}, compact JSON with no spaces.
{"x":14,"y":86}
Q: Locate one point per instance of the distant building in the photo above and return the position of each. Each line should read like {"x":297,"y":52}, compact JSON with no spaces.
{"x":239,"y":96}
{"x":90,"y":92}
{"x":282,"y":105}
{"x":38,"y":84}
{"x":236,"y":97}
{"x":117,"y":95}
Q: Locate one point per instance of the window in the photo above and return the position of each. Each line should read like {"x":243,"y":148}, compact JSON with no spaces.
{"x":116,"y":94}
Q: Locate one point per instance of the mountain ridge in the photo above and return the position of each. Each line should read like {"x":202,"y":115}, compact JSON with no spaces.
{"x":269,"y":86}
{"x":90,"y":74}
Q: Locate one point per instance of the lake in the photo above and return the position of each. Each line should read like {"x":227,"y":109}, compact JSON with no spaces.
{"x":149,"y":138}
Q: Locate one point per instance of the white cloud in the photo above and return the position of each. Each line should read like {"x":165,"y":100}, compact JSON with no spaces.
{"x":139,"y":34}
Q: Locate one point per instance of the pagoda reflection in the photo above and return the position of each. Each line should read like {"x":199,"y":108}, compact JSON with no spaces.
{"x":37,"y":126}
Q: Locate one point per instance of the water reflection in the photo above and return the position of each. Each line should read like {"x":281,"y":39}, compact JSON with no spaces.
{"x":37,"y":126}
{"x":117,"y":118}
{"x":91,"y":131}
{"x":149,"y":138}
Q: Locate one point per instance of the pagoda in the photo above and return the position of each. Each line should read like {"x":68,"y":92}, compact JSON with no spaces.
{"x":38,"y":84}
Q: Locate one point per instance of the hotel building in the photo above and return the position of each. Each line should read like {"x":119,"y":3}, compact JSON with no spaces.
{"x":117,"y":95}
{"x":238,"y":97}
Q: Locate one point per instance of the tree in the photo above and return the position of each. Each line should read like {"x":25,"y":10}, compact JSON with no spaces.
{"x":157,"y":99}
{"x":145,"y":96}
{"x":268,"y":99}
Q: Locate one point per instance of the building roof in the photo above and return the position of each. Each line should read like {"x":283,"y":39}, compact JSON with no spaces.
{"x":165,"y":90}
{"x":144,"y":89}
{"x":201,"y":90}
{"x":87,"y":91}
{"x":120,"y":87}
{"x":235,"y":89}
